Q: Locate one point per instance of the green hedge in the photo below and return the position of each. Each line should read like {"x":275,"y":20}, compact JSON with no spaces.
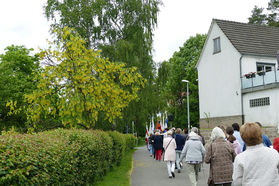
{"x":60,"y":157}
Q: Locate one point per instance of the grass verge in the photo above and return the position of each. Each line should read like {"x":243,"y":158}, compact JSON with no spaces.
{"x":119,"y":175}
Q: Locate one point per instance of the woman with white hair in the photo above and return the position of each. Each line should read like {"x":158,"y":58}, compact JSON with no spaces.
{"x":220,"y":154}
{"x":169,"y":145}
{"x":194,"y":152}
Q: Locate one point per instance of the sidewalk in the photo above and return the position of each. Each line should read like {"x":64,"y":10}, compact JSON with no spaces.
{"x":149,"y":172}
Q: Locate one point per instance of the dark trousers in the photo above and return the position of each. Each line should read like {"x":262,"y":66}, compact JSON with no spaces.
{"x":224,"y":184}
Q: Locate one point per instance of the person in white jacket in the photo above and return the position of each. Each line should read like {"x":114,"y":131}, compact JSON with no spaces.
{"x":258,"y":165}
{"x":194,"y":152}
{"x":169,"y":145}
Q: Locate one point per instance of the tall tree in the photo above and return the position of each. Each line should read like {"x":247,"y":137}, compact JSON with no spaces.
{"x":257,"y":16}
{"x":80,"y":84}
{"x":123,"y":30}
{"x":271,"y":17}
{"x":182,"y":66}
{"x":161,"y":86}
{"x":17,"y":71}
{"x":104,"y":21}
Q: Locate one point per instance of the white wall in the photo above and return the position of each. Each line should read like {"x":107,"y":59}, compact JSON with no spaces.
{"x":219,"y":78}
{"x":267,"y":115}
{"x":249,"y":63}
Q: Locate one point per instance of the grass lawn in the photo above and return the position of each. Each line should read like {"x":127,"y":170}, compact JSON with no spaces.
{"x":119,"y":175}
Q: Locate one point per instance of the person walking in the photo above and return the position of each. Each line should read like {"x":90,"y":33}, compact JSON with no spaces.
{"x":266,"y":141}
{"x":258,"y":165}
{"x":185,"y":133}
{"x":276,"y":144}
{"x":202,"y":137}
{"x":169,"y":145}
{"x":158,"y":145}
{"x":194,"y":152}
{"x":236,"y":134}
{"x":220,"y":155}
{"x":233,"y":140}
{"x":180,"y":142}
{"x":151,"y":143}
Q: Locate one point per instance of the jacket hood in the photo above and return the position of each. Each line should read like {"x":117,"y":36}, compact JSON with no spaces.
{"x":194,"y":136}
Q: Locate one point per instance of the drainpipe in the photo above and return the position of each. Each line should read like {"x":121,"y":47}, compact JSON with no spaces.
{"x":241,"y":96}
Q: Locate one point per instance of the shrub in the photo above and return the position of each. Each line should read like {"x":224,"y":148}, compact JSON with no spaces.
{"x":59,"y":157}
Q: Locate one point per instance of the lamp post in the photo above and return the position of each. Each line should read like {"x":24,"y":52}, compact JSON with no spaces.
{"x":188,"y":112}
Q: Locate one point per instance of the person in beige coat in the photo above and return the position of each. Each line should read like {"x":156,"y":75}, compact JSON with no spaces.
{"x":169,"y":145}
{"x":220,"y":154}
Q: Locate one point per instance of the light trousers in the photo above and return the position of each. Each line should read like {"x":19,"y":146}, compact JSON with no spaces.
{"x":171,"y":167}
{"x":151,"y":149}
{"x":178,"y":154}
{"x":193,"y":173}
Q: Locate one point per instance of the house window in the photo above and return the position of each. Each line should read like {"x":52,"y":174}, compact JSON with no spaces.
{"x":265,"y":67}
{"x":217,"y":45}
{"x":259,"y":102}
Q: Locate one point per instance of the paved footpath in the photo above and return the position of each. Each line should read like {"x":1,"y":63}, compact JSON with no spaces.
{"x":149,"y":172}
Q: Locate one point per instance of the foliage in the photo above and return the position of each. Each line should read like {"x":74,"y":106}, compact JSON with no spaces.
{"x":119,"y":145}
{"x":257,"y":16}
{"x":67,"y":157}
{"x":182,"y":66}
{"x":120,"y":175}
{"x":271,"y":18}
{"x":17,"y":72}
{"x":104,"y":22}
{"x":141,"y":141}
{"x":161,"y":84}
{"x":123,"y":30}
{"x":79,"y":83}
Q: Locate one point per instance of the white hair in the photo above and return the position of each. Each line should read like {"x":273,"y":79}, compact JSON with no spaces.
{"x":169,"y":132}
{"x":195,"y":130}
{"x":217,"y":133}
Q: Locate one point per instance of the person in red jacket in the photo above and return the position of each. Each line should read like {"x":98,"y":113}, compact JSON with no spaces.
{"x":276,"y":144}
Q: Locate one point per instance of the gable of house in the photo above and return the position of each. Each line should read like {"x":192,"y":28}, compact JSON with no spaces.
{"x":242,"y":45}
{"x":251,"y":39}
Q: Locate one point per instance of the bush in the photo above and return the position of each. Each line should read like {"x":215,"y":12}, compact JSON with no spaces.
{"x":141,"y":141}
{"x":59,"y":157}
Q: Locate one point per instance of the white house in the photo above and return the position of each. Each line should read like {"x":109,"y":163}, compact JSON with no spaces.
{"x":232,"y":53}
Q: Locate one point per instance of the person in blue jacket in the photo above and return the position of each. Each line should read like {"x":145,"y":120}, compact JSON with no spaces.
{"x":266,"y":140}
{"x":180,"y":141}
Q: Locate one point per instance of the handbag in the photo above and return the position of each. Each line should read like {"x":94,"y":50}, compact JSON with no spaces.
{"x":166,"y":149}
{"x":210,"y":181}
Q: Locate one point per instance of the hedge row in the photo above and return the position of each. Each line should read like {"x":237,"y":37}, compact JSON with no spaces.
{"x":60,"y":157}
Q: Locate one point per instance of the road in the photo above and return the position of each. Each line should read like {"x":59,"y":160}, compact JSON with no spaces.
{"x":149,"y":172}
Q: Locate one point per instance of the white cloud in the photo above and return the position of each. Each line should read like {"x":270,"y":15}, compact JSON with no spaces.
{"x":22,"y":22}
{"x":180,"y":19}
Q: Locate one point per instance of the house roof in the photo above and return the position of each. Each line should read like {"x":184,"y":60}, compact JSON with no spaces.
{"x":251,"y":38}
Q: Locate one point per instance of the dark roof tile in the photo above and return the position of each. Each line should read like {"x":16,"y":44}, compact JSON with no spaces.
{"x":251,"y":38}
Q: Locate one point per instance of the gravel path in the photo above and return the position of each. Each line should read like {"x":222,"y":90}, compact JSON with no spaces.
{"x":149,"y":172}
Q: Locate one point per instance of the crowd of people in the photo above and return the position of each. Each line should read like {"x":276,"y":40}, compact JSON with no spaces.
{"x":238,"y":156}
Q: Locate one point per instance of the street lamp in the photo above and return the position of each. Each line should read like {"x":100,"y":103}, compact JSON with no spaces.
{"x":188,"y":112}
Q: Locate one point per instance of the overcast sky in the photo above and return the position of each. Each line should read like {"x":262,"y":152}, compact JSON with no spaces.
{"x":22,"y":22}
